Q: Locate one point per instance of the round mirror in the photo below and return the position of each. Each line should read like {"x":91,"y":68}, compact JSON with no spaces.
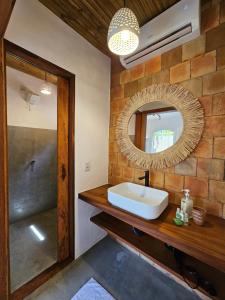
{"x":155,"y":127}
{"x":160,"y":126}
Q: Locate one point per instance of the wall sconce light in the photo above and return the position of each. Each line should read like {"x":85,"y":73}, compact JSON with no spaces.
{"x":45,"y":88}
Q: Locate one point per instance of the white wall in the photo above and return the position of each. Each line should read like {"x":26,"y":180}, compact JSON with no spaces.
{"x":35,"y":28}
{"x":41,"y":114}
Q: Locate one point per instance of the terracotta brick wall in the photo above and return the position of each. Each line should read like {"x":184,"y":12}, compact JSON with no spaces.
{"x":199,"y":66}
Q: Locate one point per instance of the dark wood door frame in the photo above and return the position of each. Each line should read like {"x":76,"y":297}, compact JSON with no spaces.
{"x":66,"y":89}
{"x":4,"y":230}
{"x":6,"y":7}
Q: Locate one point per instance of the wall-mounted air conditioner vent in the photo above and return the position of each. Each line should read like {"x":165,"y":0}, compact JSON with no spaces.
{"x":175,"y":26}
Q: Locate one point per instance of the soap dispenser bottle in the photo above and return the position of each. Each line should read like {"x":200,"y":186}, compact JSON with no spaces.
{"x":187,"y":203}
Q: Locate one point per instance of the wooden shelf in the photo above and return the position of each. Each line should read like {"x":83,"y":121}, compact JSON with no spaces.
{"x":147,"y":245}
{"x":206,"y":243}
{"x":156,"y":250}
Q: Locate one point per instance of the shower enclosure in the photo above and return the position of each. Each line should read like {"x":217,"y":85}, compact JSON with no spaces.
{"x":38,"y":150}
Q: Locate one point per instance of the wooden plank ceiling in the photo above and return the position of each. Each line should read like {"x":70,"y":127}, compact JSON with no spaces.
{"x":91,"y":18}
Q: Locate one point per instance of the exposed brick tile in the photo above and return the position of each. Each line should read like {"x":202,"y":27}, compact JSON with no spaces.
{"x":187,"y":167}
{"x":193,"y":48}
{"x":122,"y":103}
{"x":144,"y":82}
{"x":215,"y":38}
{"x":128,"y":173}
{"x":198,"y":186}
{"x":113,"y":147}
{"x":113,"y":119}
{"x":219,"y":104}
{"x":125,"y":76}
{"x":115,"y":79}
{"x":217,"y":191}
{"x":116,"y":66}
{"x":157,"y":179}
{"x":219,"y":147}
{"x":170,"y":170}
{"x":210,"y":88}
{"x":206,"y":102}
{"x":110,"y":169}
{"x":204,"y":148}
{"x":110,"y":180}
{"x":214,"y":126}
{"x":114,"y":107}
{"x":174,"y":182}
{"x":220,"y":58}
{"x":112,"y":134}
{"x":113,"y":158}
{"x":212,"y":207}
{"x":194,"y":86}
{"x":117,"y":92}
{"x":210,"y":17}
{"x":180,"y":72}
{"x":138,"y":173}
{"x":210,"y":168}
{"x":130,"y":88}
{"x":137,"y":72}
{"x":122,"y":160}
{"x":214,"y":83}
{"x":131,"y":164}
{"x":203,"y":64}
{"x":171,"y":195}
{"x":117,"y":180}
{"x":171,"y":58}
{"x":178,"y":197}
{"x":117,"y":171}
{"x":153,"y":65}
{"x":161,"y":77}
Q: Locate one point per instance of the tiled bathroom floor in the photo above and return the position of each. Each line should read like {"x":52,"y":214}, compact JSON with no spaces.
{"x":124,"y":274}
{"x":32,"y":249}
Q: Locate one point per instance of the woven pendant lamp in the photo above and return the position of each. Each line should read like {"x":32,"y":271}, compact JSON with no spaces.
{"x":123,"y":33}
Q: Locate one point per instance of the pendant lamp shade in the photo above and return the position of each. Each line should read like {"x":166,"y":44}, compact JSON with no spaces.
{"x":123,"y":33}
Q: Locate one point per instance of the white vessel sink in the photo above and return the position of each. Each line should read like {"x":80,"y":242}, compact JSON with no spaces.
{"x":139,"y":200}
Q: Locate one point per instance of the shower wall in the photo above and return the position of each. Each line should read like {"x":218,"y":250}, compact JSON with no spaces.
{"x":32,"y":171}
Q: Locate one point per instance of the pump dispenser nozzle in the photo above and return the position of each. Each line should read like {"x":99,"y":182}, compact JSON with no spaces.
{"x":187,"y":203}
{"x":186,"y":193}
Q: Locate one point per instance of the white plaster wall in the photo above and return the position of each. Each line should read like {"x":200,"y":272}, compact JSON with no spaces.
{"x":42,"y":114}
{"x":35,"y":28}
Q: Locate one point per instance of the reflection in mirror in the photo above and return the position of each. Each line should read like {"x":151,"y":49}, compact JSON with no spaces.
{"x":32,"y":166}
{"x":155,"y":127}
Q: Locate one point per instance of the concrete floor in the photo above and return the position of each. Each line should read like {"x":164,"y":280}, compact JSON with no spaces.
{"x":124,"y":274}
{"x":29,"y":255}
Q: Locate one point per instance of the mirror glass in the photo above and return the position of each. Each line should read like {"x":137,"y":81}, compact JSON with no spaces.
{"x":155,"y":127}
{"x":32,"y":169}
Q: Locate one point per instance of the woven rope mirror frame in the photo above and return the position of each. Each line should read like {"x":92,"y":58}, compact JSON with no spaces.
{"x":193,"y":123}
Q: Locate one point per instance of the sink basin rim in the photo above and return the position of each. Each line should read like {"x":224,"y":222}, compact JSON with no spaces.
{"x":137,"y":207}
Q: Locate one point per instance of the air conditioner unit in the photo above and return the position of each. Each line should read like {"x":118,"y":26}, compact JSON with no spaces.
{"x":175,"y":26}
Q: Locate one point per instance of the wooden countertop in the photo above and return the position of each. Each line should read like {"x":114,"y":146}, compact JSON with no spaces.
{"x":206,"y":243}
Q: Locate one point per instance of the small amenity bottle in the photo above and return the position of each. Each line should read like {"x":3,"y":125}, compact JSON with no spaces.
{"x":178,"y":216}
{"x":187,"y":203}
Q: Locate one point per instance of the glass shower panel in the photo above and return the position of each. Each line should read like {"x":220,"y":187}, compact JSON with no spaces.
{"x":32,"y":168}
